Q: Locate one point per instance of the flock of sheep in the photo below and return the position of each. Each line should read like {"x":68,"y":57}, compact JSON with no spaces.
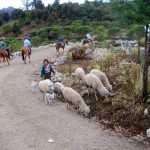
{"x":96,"y":81}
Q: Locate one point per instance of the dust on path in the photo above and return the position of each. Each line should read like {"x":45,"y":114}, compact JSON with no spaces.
{"x":27,"y":122}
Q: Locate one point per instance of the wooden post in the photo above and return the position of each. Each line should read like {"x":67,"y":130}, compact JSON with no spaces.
{"x":145,"y":66}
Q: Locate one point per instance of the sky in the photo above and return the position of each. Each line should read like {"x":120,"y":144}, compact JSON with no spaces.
{"x":18,"y":3}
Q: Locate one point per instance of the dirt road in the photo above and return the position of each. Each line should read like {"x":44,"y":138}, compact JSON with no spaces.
{"x":27,"y":122}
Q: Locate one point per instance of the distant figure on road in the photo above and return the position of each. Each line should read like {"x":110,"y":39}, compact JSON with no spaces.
{"x":60,"y":39}
{"x":3,"y":45}
{"x":88,"y":36}
{"x":27,"y":44}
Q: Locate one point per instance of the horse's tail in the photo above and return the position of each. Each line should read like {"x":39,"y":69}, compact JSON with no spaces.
{"x":22,"y":54}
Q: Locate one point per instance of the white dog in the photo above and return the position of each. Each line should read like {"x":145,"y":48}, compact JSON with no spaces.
{"x":49,"y":98}
{"x":34,"y":86}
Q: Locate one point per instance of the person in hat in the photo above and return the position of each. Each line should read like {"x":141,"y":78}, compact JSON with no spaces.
{"x":3,"y":45}
{"x":60,"y":39}
{"x":88,"y":36}
{"x":27,"y":44}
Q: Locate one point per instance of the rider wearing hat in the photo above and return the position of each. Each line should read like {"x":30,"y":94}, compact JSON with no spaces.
{"x":3,"y":45}
{"x":27,"y":44}
{"x":60,"y":39}
{"x":88,"y":36}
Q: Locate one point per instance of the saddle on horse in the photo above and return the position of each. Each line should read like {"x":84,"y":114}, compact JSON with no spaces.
{"x":62,"y":43}
{"x":6,"y":51}
{"x":29,"y":49}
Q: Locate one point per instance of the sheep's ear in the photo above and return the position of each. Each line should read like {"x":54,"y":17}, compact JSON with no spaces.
{"x":89,"y":106}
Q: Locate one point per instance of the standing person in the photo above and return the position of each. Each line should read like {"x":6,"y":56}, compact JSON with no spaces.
{"x":3,"y":45}
{"x":88,"y":36}
{"x":60,"y":39}
{"x":27,"y":44}
{"x":47,"y":70}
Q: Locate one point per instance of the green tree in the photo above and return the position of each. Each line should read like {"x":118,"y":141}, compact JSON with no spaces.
{"x":130,"y":12}
{"x":6,"y":16}
{"x":137,"y":31}
{"x":16,"y":28}
{"x":112,"y":32}
{"x":1,"y":21}
{"x":18,"y":14}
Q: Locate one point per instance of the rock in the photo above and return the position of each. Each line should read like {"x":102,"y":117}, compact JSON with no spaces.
{"x":148,"y":133}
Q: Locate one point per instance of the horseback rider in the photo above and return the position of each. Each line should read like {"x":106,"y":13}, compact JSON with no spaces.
{"x":88,"y":36}
{"x":3,"y":45}
{"x":60,"y":39}
{"x":27,"y":44}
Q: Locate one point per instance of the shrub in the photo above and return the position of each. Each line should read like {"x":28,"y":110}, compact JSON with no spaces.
{"x":36,"y":41}
{"x":7,"y":29}
{"x":16,"y":28}
{"x":33,"y":33}
{"x":43,"y":35}
{"x":112,"y":32}
{"x":33,"y":24}
{"x":27,"y":21}
{"x":81,"y":29}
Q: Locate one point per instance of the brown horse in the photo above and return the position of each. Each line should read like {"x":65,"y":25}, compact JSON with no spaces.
{"x":58,"y":46}
{"x":10,"y":48}
{"x":66,"y":41}
{"x":85,"y":41}
{"x":5,"y":54}
{"x":94,"y":38}
{"x":25,"y":52}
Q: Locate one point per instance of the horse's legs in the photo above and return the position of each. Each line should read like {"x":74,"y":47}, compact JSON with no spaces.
{"x":29,"y":58}
{"x":25,"y":59}
{"x":7,"y":60}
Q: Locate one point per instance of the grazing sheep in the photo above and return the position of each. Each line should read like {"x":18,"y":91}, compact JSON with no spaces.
{"x":58,"y":87}
{"x":92,"y":81}
{"x":46,"y":86}
{"x":49,"y":98}
{"x":79,"y":72}
{"x":95,"y":83}
{"x":102,"y":76}
{"x":74,"y":98}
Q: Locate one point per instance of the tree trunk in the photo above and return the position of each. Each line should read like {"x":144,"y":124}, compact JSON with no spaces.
{"x":138,"y":57}
{"x":145,"y":67}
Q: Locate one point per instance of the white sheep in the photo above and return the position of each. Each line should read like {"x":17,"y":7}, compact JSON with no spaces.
{"x":95,"y":83}
{"x":49,"y":98}
{"x":58,"y":87}
{"x":102,"y":76}
{"x":75,"y":98}
{"x":46,"y":86}
{"x":79,"y":72}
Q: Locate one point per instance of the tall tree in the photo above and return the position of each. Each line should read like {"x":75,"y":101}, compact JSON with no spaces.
{"x":6,"y":16}
{"x":130,"y":12}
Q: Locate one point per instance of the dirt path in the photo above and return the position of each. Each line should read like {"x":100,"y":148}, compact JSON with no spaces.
{"x":27,"y":122}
